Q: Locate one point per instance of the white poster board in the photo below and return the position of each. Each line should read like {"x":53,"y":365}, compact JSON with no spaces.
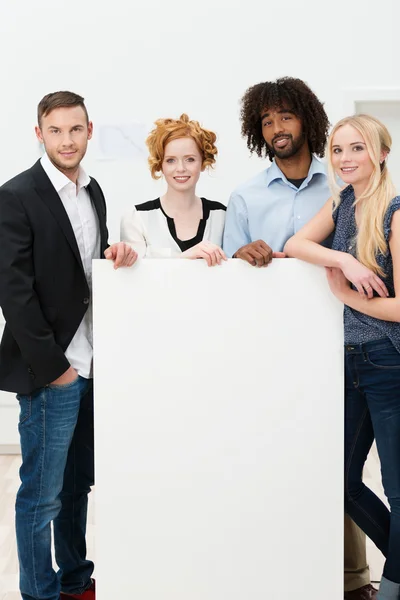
{"x":219,"y":432}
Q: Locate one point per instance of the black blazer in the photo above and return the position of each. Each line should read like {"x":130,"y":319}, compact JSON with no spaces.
{"x":43,"y":289}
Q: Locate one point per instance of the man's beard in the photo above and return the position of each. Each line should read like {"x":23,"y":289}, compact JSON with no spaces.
{"x":291,"y":149}
{"x":67,"y":165}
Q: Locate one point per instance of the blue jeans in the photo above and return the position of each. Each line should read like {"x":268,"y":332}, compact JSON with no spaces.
{"x":373,"y":411}
{"x":56,"y":430}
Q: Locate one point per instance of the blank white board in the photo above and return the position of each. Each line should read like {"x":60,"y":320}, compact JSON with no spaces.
{"x":219,"y":432}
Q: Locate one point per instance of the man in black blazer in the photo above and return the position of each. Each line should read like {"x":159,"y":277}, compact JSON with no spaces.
{"x":52,"y":224}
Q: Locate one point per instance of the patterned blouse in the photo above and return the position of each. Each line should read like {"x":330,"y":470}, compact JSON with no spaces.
{"x":360,"y":328}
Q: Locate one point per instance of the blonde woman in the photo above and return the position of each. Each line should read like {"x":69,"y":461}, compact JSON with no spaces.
{"x":363,"y":270}
{"x":180,"y":223}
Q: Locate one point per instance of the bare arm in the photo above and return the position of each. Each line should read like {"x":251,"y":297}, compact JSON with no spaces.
{"x":386,"y":309}
{"x":306,"y":246}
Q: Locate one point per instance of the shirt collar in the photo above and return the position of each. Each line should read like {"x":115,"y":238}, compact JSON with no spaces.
{"x":58,"y":179}
{"x":316,"y":167}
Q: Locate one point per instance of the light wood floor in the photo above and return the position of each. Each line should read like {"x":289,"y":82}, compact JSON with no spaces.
{"x":9,"y":483}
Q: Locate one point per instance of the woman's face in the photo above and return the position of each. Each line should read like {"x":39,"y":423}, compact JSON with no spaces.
{"x":182,"y":164}
{"x":350,"y":157}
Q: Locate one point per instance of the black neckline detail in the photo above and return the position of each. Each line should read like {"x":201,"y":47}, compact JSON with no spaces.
{"x":149,"y":205}
{"x":186,"y":244}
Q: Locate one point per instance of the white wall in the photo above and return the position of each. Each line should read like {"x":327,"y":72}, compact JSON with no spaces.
{"x":389,"y":114}
{"x":136,"y":61}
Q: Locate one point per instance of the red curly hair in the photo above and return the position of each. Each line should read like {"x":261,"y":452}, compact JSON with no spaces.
{"x":167,"y":130}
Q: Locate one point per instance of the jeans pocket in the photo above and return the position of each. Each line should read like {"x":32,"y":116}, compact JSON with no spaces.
{"x":63,"y":386}
{"x":25,"y":407}
{"x":385,"y":358}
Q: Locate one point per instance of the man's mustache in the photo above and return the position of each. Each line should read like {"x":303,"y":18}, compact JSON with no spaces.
{"x":282,"y":137}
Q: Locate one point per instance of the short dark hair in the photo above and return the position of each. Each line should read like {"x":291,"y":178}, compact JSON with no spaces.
{"x":293,"y":94}
{"x":59,"y":100}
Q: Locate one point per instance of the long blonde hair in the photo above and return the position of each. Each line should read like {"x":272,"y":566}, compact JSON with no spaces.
{"x":378,"y":193}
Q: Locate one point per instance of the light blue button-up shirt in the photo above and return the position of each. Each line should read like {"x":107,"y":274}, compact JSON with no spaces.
{"x":268,"y":207}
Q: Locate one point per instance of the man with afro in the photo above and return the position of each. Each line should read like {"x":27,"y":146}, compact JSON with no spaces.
{"x":286,"y":122}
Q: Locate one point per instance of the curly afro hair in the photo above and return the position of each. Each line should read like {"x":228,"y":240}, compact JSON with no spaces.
{"x":291,"y":93}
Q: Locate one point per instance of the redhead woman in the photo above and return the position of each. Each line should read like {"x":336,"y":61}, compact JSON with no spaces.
{"x":180,"y":223}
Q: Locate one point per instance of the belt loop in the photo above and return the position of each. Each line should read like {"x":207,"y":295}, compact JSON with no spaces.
{"x":364,"y":353}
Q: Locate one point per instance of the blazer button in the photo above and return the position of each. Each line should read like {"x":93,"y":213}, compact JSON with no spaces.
{"x":86,"y":301}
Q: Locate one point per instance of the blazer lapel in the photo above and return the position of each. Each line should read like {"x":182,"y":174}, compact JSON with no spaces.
{"x":50,"y":197}
{"x":100,"y":207}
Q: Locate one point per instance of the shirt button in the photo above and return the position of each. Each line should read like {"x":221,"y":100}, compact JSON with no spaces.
{"x":86,"y":301}
{"x":298,"y":216}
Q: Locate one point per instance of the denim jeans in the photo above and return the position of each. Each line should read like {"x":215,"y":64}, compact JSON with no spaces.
{"x":56,"y":430}
{"x":373,"y":411}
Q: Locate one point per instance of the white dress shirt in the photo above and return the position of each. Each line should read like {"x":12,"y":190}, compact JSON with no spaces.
{"x":84,"y":221}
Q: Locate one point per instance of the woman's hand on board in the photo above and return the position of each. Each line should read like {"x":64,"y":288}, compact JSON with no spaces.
{"x":212,"y":254}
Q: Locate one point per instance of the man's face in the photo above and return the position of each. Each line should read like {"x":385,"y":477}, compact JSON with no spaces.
{"x":65,"y":133}
{"x":282,"y":131}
